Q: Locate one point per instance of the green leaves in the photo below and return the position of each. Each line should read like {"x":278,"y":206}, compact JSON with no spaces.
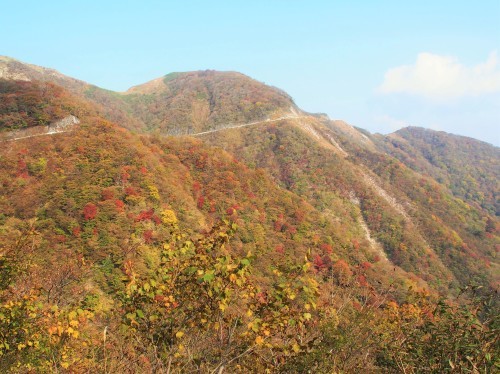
{"x":245,"y":262}
{"x":208,"y":277}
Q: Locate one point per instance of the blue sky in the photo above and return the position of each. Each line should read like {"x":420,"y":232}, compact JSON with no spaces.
{"x":379,"y":65}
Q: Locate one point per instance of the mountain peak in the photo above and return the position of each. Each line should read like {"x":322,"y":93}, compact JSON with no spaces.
{"x":196,"y":101}
{"x":192,"y":78}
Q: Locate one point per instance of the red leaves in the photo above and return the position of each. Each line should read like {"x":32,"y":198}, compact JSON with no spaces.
{"x":148,"y":236}
{"x":130,"y":191}
{"x":22,"y":169}
{"x":355,"y":244}
{"x":233,"y":209}
{"x":200,"y":202}
{"x":196,"y":188}
{"x":145,"y":215}
{"x":119,"y":205}
{"x":107,"y":194}
{"x":77,"y":231}
{"x":362,"y":280}
{"x":318,"y":263}
{"x":148,"y":215}
{"x":326,"y":248}
{"x":322,"y":263}
{"x":366,"y":265}
{"x":90,"y":211}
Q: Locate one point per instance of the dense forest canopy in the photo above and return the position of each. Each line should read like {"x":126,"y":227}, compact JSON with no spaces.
{"x":294,"y":245}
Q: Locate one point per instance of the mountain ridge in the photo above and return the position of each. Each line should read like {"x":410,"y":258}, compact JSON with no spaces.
{"x":158,"y":85}
{"x":273,"y":240}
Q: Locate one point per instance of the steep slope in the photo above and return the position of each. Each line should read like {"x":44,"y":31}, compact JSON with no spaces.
{"x":417,"y":222}
{"x":179,"y":103}
{"x":147,"y":237}
{"x":183,"y":103}
{"x":468,"y":167}
{"x":107,"y":103}
{"x":357,"y":169}
{"x":301,"y":246}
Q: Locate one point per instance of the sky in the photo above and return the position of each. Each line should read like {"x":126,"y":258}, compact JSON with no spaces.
{"x":379,"y":65}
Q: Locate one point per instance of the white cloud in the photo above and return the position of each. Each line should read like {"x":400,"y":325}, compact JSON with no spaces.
{"x":443,"y":77}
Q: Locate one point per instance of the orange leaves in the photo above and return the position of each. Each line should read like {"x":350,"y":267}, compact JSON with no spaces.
{"x":342,"y":271}
{"x":119,"y":205}
{"x":326,"y":248}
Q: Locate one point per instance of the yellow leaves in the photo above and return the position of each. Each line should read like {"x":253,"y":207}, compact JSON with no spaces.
{"x":231,"y":267}
{"x":72,"y":332}
{"x":249,"y":313}
{"x":222,"y":306}
{"x":259,"y":340}
{"x":73,"y":323}
{"x":179,"y":334}
{"x":296,"y":348}
{"x":154,"y":193}
{"x":306,"y":266}
{"x":168,"y":217}
{"x":254,"y":325}
{"x":307,"y":316}
{"x":233,"y":278}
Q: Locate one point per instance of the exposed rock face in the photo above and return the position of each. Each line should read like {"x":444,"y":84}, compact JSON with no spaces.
{"x":64,"y":125}
{"x":6,"y":73}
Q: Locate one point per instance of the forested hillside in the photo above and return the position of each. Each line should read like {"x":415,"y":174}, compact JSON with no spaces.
{"x":468,"y":167}
{"x":294,"y":245}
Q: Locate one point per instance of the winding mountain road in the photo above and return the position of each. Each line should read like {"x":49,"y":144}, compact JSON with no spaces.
{"x":292,"y":116}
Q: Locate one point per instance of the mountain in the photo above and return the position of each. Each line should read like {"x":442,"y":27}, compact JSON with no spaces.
{"x":183,"y":103}
{"x":468,"y":167}
{"x":272,"y":239}
{"x":178,"y":103}
{"x":419,"y":225}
